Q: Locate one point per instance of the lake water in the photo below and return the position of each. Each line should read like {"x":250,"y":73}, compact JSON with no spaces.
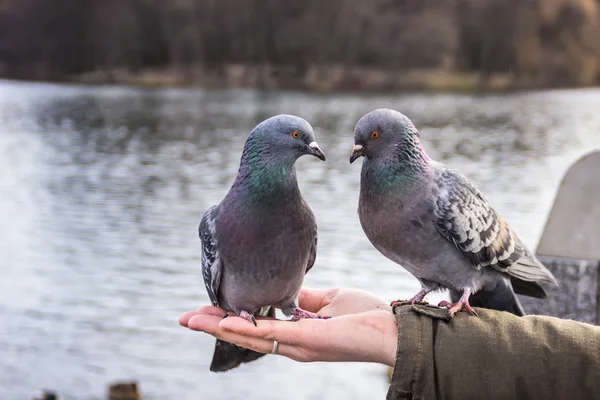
{"x":102,"y":190}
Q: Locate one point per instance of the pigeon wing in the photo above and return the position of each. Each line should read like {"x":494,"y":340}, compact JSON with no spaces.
{"x":464,"y":217}
{"x":211,"y":262}
{"x":312,"y":256}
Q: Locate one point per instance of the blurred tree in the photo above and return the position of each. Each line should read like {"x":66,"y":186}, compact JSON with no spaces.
{"x":44,"y":39}
{"x":541,"y":41}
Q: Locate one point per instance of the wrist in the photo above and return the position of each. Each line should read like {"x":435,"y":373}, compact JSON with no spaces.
{"x":390,"y":340}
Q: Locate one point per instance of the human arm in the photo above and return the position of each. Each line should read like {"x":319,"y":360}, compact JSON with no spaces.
{"x":494,"y":356}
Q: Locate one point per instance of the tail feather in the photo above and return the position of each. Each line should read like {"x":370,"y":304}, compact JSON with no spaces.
{"x":490,"y":300}
{"x":532,"y":289}
{"x":228,"y":356}
{"x":530,"y":269}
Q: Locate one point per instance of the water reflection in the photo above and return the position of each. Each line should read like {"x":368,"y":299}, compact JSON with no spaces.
{"x":102,"y":189}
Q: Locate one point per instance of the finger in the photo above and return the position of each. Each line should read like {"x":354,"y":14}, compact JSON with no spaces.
{"x":206,"y":310}
{"x":185,"y":317}
{"x":210,"y":325}
{"x":315,"y":299}
{"x":262,"y":345}
{"x":267,"y":330}
{"x":352,"y":301}
{"x":291,"y":333}
{"x":205,"y":323}
{"x":211,"y":310}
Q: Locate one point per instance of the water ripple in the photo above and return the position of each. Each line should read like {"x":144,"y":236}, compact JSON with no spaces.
{"x":102,"y":189}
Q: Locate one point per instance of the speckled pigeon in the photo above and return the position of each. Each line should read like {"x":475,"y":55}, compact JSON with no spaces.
{"x":258,"y":243}
{"x":436,"y":224}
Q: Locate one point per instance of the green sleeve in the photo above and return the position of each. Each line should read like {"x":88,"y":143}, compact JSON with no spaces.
{"x":494,"y":356}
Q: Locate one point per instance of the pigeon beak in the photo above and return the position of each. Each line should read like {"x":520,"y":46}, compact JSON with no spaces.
{"x":357,"y":151}
{"x":316,"y":151}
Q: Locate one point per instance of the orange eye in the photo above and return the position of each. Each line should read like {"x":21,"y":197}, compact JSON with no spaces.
{"x":374,"y":135}
{"x":296,"y":135}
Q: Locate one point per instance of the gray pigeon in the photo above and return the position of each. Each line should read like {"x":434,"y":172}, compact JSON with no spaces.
{"x":436,"y":224}
{"x":258,"y":243}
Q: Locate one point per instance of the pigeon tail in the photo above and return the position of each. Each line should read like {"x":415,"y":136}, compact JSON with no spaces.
{"x":530,"y":269}
{"x":531,"y":289}
{"x":502,"y":298}
{"x":228,"y":356}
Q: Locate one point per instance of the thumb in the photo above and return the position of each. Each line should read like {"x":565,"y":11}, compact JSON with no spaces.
{"x":314,"y":300}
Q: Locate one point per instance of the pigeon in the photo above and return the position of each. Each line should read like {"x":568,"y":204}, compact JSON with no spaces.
{"x":261,"y":239}
{"x":436,"y":224}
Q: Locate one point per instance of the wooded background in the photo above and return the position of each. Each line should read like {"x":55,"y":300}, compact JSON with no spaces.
{"x":538,"y":42}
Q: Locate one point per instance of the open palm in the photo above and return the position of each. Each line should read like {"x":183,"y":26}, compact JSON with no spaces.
{"x":364,"y":328}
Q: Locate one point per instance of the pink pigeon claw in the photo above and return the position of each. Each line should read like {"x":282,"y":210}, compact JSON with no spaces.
{"x":299,"y":314}
{"x":248,"y":317}
{"x":416,"y":299}
{"x":461,"y":304}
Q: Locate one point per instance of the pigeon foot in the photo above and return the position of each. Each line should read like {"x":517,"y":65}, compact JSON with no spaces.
{"x":299,"y":314}
{"x":248,"y":317}
{"x":462,"y":304}
{"x":416,"y":299}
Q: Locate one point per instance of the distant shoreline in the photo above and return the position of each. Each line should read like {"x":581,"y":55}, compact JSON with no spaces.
{"x":314,"y":79}
{"x":323,"y":79}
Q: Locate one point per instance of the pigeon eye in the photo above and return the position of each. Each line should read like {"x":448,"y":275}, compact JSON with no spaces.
{"x":296,"y":135}
{"x":374,"y":135}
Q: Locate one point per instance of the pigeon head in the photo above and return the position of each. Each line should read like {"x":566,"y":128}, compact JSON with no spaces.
{"x":271,"y":150}
{"x":283,"y":138}
{"x":383,"y":132}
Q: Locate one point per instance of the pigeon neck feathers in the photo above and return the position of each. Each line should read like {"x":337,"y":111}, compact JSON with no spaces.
{"x":402,"y":167}
{"x":266,"y":173}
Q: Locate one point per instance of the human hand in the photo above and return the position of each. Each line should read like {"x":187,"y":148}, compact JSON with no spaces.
{"x":364,"y":328}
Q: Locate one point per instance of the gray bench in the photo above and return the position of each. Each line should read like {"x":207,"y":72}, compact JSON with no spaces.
{"x":570,"y":246}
